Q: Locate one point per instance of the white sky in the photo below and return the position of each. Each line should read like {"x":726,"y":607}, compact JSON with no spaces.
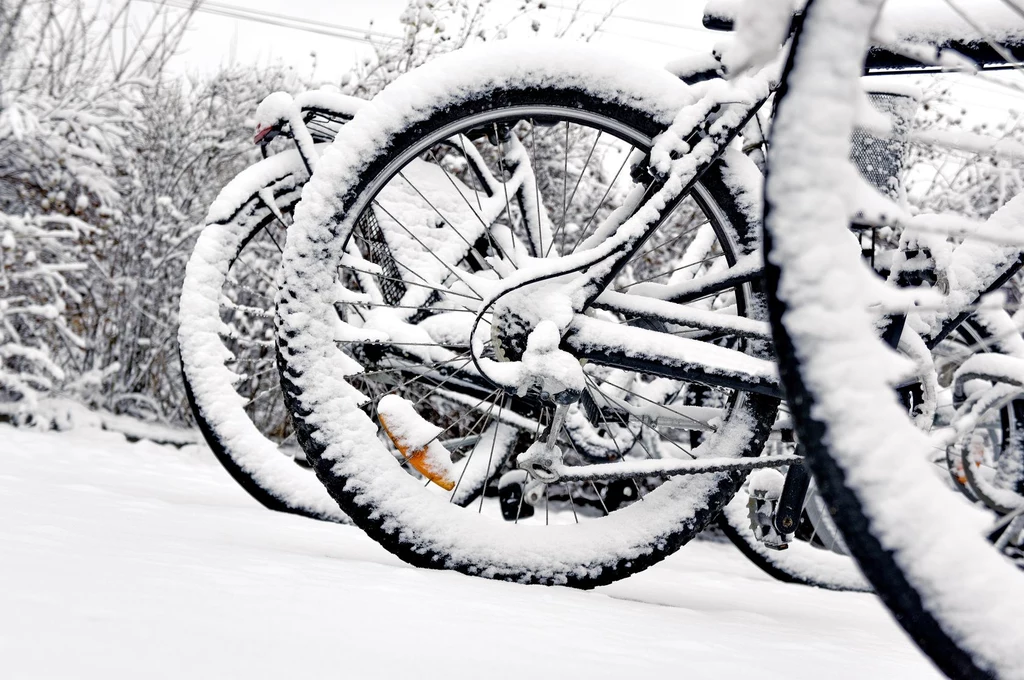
{"x":641,"y":28}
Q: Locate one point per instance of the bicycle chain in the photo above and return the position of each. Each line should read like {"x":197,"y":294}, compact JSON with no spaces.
{"x":745,"y":465}
{"x":582,"y":473}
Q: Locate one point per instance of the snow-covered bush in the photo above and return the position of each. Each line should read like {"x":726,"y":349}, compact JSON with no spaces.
{"x":34,"y":295}
{"x":107,"y":164}
{"x":58,"y":185}
{"x":971,"y":184}
{"x":191,"y":139}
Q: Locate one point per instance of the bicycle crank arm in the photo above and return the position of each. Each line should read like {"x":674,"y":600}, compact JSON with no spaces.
{"x":791,"y":502}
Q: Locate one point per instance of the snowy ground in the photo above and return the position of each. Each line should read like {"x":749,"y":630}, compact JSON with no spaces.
{"x":138,"y":560}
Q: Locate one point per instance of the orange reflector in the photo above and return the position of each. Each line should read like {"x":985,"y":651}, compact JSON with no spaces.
{"x":419,"y":458}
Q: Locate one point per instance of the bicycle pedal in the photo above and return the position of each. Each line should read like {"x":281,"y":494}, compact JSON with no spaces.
{"x":765,"y":489}
{"x":511,"y":491}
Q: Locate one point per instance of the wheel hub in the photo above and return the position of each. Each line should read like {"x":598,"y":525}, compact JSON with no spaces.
{"x":509,"y":333}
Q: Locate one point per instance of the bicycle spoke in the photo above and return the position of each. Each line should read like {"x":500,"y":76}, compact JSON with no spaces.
{"x":437,"y":388}
{"x":536,"y":183}
{"x":674,"y":239}
{"x":568,"y":490}
{"x":504,"y":182}
{"x":487,"y":228}
{"x":384,"y":305}
{"x":461,"y":418}
{"x":579,"y":179}
{"x":411,"y":283}
{"x":465,"y":154}
{"x":583,"y":230}
{"x":490,"y":459}
{"x":472,"y":452}
{"x":399,"y":343}
{"x":702,"y":425}
{"x":565,"y":176}
{"x":399,"y":263}
{"x":427,"y":248}
{"x":277,"y":245}
{"x":425,"y":284}
{"x":580,"y":457}
{"x":464,"y":358}
{"x":611,"y":436}
{"x":671,"y":271}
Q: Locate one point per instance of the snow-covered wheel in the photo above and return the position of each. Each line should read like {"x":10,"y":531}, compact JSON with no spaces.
{"x":226,"y":340}
{"x":923,"y":549}
{"x":986,"y":465}
{"x":235,"y":264}
{"x":561,"y":133}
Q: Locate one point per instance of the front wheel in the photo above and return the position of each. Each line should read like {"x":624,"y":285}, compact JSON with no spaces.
{"x":923,"y":548}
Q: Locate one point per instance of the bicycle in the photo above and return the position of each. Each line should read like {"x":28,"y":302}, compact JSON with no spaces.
{"x":717,"y":123}
{"x":223,"y":328}
{"x":249,"y":437}
{"x":255,"y":462}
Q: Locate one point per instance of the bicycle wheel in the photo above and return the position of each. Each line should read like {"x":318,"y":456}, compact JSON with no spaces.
{"x":228,"y":362}
{"x":988,"y":461}
{"x":385,"y":181}
{"x":921,"y":547}
{"x":225,"y":336}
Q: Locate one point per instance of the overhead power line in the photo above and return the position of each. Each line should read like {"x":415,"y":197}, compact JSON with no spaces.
{"x":315,"y":22}
{"x":623,"y":17}
{"x":356,"y":34}
{"x":281,"y":20}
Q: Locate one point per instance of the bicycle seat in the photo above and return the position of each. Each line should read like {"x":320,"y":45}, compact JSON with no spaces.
{"x":924,"y":21}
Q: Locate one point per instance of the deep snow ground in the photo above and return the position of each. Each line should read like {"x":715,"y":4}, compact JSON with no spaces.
{"x":138,"y":560}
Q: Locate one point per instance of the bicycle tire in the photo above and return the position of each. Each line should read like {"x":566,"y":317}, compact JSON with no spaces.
{"x":803,"y":564}
{"x":799,"y":564}
{"x":867,"y":457}
{"x":253,"y":461}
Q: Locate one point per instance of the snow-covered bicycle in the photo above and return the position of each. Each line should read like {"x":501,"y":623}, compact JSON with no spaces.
{"x":400,"y":310}
{"x":542,"y":320}
{"x":434,"y":297}
{"x":227,"y":298}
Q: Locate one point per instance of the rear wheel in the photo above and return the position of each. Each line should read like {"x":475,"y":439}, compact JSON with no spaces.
{"x":556,"y":181}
